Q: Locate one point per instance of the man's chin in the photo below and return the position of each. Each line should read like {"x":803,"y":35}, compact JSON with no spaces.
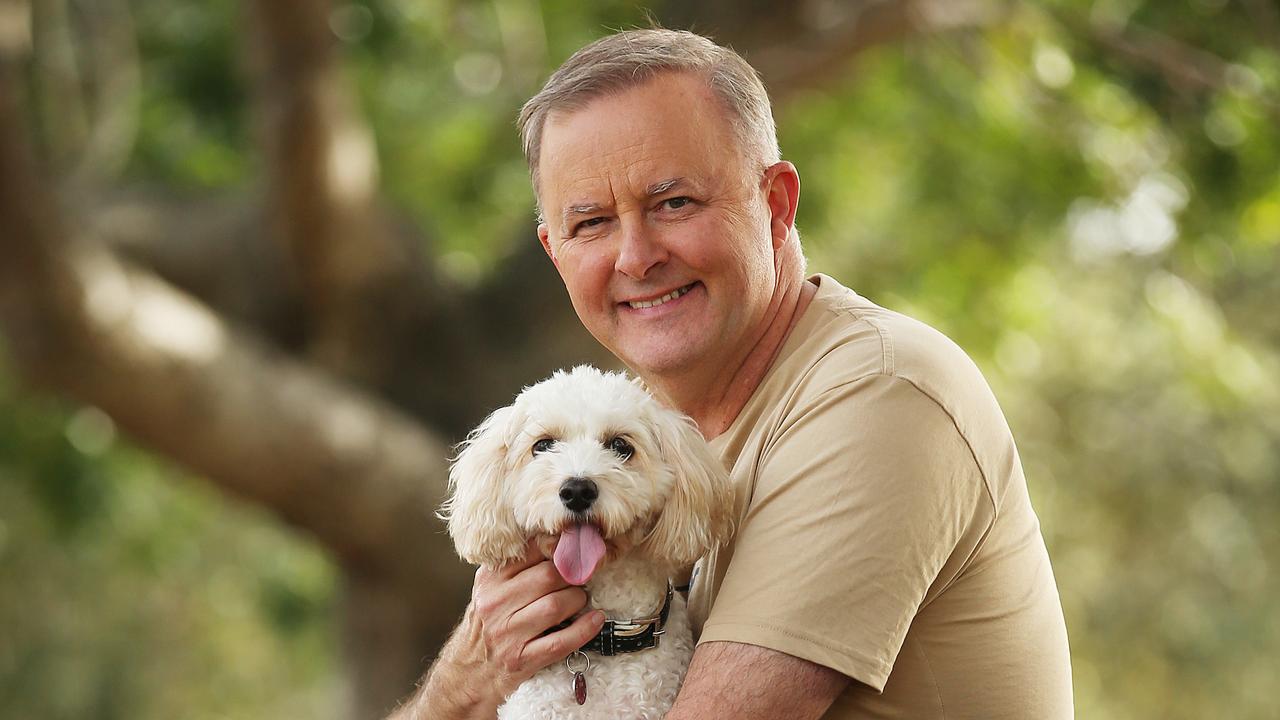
{"x":656,"y":352}
{"x":651,"y":362}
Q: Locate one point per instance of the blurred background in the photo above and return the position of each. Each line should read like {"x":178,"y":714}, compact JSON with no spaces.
{"x":261,"y":263}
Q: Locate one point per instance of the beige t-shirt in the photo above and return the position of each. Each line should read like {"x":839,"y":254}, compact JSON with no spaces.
{"x":884,"y":526}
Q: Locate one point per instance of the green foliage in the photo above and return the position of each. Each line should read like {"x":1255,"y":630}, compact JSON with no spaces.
{"x":132,"y":591}
{"x":194,"y":124}
{"x":1103,"y":238}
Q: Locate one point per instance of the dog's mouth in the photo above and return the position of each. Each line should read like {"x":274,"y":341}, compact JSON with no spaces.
{"x":579,"y":552}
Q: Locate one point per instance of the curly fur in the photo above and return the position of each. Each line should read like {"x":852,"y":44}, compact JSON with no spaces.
{"x":658,"y":511}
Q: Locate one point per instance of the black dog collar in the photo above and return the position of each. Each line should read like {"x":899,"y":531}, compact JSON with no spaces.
{"x":627,"y":636}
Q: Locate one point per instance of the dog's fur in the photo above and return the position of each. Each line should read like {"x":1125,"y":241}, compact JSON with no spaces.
{"x":658,"y":511}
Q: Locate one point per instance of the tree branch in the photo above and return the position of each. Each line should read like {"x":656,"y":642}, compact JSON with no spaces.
{"x":322,"y":174}
{"x":1189,"y":70}
{"x":215,"y":248}
{"x":804,"y":44}
{"x":351,"y":470}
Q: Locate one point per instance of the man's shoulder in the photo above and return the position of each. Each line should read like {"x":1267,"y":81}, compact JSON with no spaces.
{"x":852,"y":337}
{"x":918,"y":359}
{"x":850,"y":359}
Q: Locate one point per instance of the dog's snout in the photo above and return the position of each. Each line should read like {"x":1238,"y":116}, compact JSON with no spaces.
{"x":578,"y":494}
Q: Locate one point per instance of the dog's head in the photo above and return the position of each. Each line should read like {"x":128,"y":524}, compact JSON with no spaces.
{"x":593,"y":467}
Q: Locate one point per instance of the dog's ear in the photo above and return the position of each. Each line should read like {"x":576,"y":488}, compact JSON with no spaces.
{"x":481,"y":518}
{"x":698,"y":516}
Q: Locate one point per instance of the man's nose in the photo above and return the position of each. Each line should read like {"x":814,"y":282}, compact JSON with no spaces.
{"x":640,"y":251}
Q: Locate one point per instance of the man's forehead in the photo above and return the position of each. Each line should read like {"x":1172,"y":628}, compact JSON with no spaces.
{"x":675,"y":95}
{"x":645,"y":150}
{"x":670,"y":127}
{"x":591,"y":188}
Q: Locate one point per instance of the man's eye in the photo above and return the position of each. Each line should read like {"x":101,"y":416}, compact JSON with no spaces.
{"x":621,"y":447}
{"x":589,"y":223}
{"x":676,"y":203}
{"x":543,"y":445}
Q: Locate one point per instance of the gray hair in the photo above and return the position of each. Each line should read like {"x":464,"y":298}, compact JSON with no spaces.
{"x":631,"y":58}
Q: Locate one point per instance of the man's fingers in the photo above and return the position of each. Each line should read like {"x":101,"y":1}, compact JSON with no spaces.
{"x":506,"y":596}
{"x":547,"y":611}
{"x":554,"y":647}
{"x":537,"y":580}
{"x":516,"y":603}
{"x":501,"y":591}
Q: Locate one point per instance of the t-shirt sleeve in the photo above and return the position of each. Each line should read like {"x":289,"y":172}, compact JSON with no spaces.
{"x":865,"y":493}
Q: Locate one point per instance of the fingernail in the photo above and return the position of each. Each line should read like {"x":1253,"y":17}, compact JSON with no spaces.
{"x":597,"y":617}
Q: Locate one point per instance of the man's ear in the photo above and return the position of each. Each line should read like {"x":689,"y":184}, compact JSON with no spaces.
{"x":544,"y":238}
{"x":782,"y":195}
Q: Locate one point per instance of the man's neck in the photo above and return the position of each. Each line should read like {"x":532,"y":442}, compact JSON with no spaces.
{"x":715,"y":398}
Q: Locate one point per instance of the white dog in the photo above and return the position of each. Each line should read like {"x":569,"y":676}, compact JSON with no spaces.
{"x":620,"y":492}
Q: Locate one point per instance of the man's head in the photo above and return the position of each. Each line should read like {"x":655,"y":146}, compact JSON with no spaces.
{"x":627,"y":59}
{"x":672,"y":227}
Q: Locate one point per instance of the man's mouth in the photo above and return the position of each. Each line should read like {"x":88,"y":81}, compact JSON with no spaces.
{"x":641,"y":304}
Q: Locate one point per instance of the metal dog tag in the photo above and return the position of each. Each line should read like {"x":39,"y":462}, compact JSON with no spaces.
{"x":579,"y":675}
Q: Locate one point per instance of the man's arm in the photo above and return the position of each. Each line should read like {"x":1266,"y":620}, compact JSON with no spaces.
{"x":745,"y":682}
{"x":499,"y":643}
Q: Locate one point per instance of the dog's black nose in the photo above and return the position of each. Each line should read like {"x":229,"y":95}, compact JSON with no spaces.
{"x":577,"y":493}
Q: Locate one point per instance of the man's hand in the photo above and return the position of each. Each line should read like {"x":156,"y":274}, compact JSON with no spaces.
{"x":499,"y":643}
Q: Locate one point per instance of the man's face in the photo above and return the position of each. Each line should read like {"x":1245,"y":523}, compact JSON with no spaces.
{"x":659,"y":227}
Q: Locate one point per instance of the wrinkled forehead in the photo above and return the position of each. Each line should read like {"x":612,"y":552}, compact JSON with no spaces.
{"x":672,"y":126}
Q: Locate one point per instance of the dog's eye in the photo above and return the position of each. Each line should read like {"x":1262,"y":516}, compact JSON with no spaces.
{"x":543,"y":445}
{"x":621,"y":447}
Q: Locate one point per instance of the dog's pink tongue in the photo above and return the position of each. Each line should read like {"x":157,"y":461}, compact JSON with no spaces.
{"x":578,"y":552}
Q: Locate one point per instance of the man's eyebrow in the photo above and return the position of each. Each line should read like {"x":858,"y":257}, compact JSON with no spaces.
{"x":576,"y":210}
{"x":664,"y":185}
{"x":572,"y":211}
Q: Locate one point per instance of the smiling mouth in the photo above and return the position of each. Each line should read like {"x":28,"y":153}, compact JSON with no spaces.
{"x":678,"y":292}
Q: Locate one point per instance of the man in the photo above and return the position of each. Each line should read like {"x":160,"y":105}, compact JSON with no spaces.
{"x":887,"y":562}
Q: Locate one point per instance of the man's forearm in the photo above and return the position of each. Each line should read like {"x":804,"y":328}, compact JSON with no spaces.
{"x":444,"y":695}
{"x":735,"y":680}
{"x":455,"y":687}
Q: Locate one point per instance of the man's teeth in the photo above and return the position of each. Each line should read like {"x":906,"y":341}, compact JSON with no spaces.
{"x":669,"y":296}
